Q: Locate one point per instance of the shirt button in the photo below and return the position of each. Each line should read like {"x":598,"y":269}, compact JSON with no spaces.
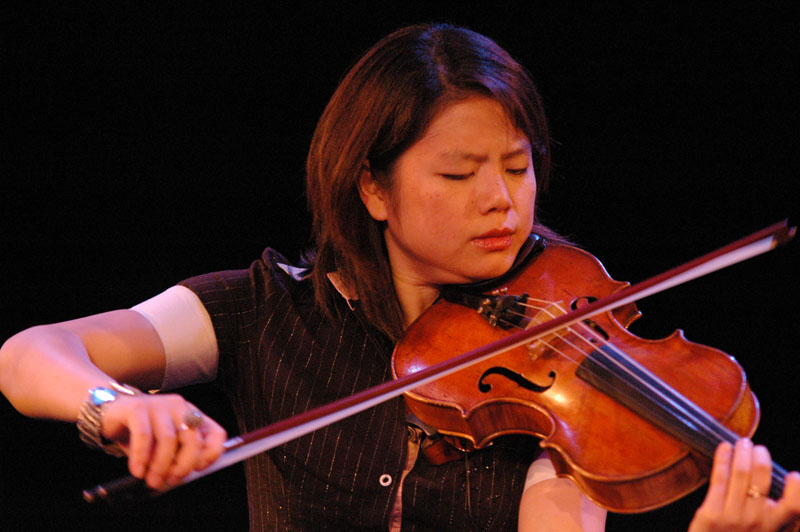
{"x":385,"y":480}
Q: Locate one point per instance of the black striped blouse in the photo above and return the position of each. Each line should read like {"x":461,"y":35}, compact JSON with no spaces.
{"x":279,"y":356}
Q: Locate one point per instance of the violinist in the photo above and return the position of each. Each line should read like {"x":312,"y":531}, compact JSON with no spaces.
{"x":423,"y":172}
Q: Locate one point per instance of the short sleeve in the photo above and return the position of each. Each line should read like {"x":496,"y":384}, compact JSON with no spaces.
{"x":541,"y":469}
{"x":185,"y":329}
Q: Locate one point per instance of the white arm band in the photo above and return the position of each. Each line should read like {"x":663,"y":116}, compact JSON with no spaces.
{"x":541,"y":469}
{"x":185,"y":329}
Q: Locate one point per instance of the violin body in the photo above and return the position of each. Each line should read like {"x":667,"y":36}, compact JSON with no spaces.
{"x":596,"y":434}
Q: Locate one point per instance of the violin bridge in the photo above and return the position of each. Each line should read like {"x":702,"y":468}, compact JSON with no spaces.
{"x":545,"y":313}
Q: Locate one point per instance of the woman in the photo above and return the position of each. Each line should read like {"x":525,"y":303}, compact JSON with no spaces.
{"x":423,"y":172}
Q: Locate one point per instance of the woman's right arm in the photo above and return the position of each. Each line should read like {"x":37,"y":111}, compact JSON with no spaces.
{"x":47,"y":371}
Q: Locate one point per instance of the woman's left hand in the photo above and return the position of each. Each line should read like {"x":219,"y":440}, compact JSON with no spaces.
{"x":737,"y":493}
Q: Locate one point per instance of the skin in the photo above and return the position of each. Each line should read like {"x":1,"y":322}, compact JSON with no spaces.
{"x":557,"y":504}
{"x":45,"y":372}
{"x":460,"y":208}
{"x":471,"y":173}
{"x":728,"y":507}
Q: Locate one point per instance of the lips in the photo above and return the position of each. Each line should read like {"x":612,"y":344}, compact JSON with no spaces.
{"x":494,"y":240}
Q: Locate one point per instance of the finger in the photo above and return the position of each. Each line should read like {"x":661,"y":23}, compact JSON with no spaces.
{"x":755,"y":511}
{"x":787,"y":510}
{"x":740,"y":474}
{"x":720,"y":474}
{"x":791,"y":490}
{"x":140,"y":442}
{"x":708,"y":514}
{"x":214,"y":437}
{"x":190,"y":441}
{"x":761,"y":475}
{"x":165,"y":448}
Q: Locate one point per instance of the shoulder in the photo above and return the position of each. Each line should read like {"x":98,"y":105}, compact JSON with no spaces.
{"x":271,"y":272}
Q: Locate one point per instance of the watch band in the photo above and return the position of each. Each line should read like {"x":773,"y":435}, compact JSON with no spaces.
{"x":90,"y":416}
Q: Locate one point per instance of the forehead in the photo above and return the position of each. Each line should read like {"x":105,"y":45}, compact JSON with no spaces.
{"x":476,"y":124}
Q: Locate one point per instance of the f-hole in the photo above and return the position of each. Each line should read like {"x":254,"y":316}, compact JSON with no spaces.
{"x":513,"y":376}
{"x":585,"y":300}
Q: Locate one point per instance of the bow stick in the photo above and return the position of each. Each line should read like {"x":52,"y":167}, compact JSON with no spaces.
{"x":258,"y":441}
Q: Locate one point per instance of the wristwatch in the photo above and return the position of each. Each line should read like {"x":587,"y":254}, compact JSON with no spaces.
{"x":90,"y":417}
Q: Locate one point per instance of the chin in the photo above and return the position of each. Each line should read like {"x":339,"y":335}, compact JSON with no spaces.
{"x":502,"y":263}
{"x":491,"y":271}
{"x":475,"y":269}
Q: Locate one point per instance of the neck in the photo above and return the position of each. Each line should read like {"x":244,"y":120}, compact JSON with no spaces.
{"x":414,"y":298}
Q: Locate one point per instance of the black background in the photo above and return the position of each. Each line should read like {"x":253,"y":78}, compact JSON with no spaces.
{"x":149,"y":144}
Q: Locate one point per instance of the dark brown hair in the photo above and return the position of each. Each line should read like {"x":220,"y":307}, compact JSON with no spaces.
{"x":382,"y":106}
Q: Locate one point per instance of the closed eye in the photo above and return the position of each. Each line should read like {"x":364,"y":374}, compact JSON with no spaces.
{"x":457,"y":177}
{"x":517,"y":171}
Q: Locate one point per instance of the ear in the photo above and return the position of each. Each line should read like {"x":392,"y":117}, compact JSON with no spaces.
{"x":374,"y":197}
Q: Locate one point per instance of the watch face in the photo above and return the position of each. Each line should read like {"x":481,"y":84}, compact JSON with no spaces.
{"x":102,"y":395}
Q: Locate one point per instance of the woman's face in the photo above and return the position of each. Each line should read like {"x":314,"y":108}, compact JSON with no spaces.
{"x":461,"y":200}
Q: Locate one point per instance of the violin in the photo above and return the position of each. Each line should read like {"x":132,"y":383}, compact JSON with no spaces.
{"x":633,"y":422}
{"x":547,"y":352}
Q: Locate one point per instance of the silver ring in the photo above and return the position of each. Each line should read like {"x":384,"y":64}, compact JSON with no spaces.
{"x":191,"y":420}
{"x":754,"y":492}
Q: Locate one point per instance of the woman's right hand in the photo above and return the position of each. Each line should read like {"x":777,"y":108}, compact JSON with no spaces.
{"x":46,"y":372}
{"x":162,"y":437}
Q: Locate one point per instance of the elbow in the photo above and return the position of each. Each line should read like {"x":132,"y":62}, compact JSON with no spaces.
{"x":10,"y":360}
{"x":16,"y":367}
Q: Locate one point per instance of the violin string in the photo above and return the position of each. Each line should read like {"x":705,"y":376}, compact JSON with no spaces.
{"x":685,"y":412}
{"x":714,"y":430}
{"x":653,"y":384}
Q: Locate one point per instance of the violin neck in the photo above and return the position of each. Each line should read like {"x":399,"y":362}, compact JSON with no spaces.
{"x":631,"y":384}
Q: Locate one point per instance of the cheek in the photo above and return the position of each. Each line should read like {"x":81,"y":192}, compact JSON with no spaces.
{"x":422,"y":212}
{"x":437,"y":212}
{"x":525,"y":198}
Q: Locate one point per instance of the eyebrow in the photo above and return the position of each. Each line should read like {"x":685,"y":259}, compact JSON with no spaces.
{"x":457,"y":154}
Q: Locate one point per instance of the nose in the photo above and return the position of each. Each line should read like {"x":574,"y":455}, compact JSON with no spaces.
{"x":494,"y":193}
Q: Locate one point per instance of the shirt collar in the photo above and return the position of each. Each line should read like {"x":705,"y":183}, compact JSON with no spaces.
{"x":344,"y":288}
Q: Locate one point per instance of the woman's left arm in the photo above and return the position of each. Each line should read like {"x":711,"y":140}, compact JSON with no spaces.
{"x":551,"y":504}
